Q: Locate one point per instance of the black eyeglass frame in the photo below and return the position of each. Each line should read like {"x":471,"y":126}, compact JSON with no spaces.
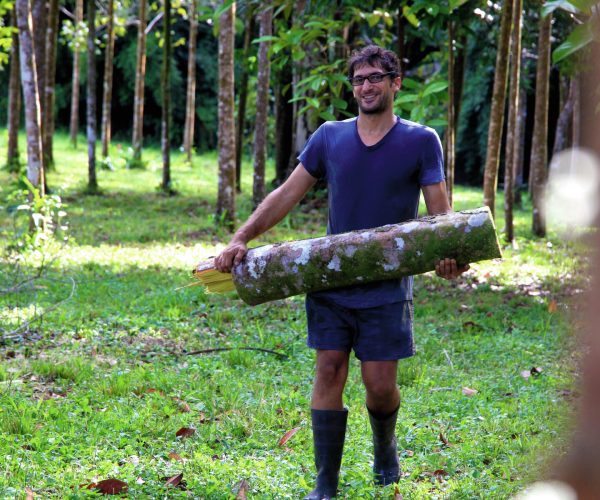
{"x":377,"y":76}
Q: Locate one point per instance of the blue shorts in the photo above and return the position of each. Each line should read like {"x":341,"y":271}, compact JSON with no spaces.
{"x":382,"y":333}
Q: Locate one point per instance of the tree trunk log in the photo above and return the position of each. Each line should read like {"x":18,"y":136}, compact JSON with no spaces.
{"x":166,"y":99}
{"x":277,"y":271}
{"x":190,"y":101}
{"x":91,"y":95}
{"x":35,"y":163}
{"x":14,"y":100}
{"x":226,"y":190}
{"x":74,"y":123}
{"x":510,"y":157}
{"x":539,"y":146}
{"x":490,"y":176}
{"x":243,"y":97}
{"x":262,"y":107}
{"x":108,"y":79}
{"x":140,"y":75}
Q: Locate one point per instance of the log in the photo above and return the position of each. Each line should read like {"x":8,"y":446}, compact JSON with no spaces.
{"x":281,"y":270}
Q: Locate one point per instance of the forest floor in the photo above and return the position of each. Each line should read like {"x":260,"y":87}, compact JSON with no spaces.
{"x":104,"y":376}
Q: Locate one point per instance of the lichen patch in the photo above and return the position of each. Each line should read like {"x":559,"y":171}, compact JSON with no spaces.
{"x":477,"y":220}
{"x":409,"y":227}
{"x":334,"y":264}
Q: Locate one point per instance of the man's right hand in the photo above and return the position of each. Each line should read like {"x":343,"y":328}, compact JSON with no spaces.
{"x":231,"y":256}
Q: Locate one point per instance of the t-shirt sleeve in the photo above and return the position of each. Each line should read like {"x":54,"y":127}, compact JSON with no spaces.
{"x":432,"y":160}
{"x":313,"y":154}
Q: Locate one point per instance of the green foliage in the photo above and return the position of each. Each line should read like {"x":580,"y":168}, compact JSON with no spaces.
{"x":5,"y":32}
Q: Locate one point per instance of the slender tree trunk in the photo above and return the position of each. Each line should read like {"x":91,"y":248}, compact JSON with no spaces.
{"x":35,"y":161}
{"x":519,"y":151}
{"x":166,"y":99}
{"x":140,"y":75}
{"x":14,"y":100}
{"x":564,"y":120}
{"x":74,"y":123}
{"x":539,"y":146}
{"x":575,"y":82}
{"x":450,"y":129}
{"x":91,"y":95}
{"x":108,"y":79}
{"x":262,"y":107}
{"x":400,"y":39}
{"x":490,"y":177}
{"x":284,"y":122}
{"x":513,"y":113}
{"x":459,"y":76}
{"x":190,"y":103}
{"x":39,"y":15}
{"x":226,"y":194}
{"x":243,"y":97}
{"x":48,"y":126}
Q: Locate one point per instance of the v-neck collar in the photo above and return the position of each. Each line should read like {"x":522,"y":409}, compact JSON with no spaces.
{"x":380,"y":141}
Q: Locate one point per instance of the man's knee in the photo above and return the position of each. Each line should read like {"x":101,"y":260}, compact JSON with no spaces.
{"x":382,"y":390}
{"x":332,"y":368}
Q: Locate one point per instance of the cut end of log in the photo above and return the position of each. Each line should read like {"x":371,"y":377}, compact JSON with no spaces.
{"x":213,"y":280}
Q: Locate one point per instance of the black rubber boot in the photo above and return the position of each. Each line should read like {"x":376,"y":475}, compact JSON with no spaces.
{"x":329,"y":432}
{"x":386,"y":465}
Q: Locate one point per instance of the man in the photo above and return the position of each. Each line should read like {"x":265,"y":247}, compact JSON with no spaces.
{"x":375,"y":166}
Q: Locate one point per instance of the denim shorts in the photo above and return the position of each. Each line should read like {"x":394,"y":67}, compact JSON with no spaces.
{"x":382,"y":333}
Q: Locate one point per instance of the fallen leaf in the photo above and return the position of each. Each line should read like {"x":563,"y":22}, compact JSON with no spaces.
{"x":472,"y":324}
{"x":409,"y":453}
{"x":242,"y":489}
{"x":467,"y":391}
{"x":139,"y":480}
{"x":150,"y":390}
{"x":203,"y":419}
{"x":29,"y":495}
{"x":287,"y":436}
{"x":439,"y":474}
{"x":397,"y":494}
{"x":444,"y":440}
{"x":552,"y":307}
{"x":526,"y":374}
{"x":174,"y":480}
{"x":183,"y":406}
{"x":175,"y":456}
{"x":185,"y":432}
{"x":109,"y":487}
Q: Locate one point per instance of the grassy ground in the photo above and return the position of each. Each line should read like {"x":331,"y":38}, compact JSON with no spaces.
{"x":100,"y":385}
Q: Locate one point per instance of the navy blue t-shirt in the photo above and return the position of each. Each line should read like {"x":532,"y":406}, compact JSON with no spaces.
{"x":370,"y":186}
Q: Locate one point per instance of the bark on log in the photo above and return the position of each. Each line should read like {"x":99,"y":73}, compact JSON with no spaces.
{"x":277,"y":271}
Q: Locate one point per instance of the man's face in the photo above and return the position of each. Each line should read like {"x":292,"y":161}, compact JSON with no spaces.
{"x":375,"y":98}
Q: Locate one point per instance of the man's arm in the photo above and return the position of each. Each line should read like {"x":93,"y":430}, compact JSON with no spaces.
{"x":272,"y":209}
{"x":436,"y":201}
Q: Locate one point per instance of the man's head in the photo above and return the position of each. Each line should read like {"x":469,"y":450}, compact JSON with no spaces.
{"x":374,"y":73}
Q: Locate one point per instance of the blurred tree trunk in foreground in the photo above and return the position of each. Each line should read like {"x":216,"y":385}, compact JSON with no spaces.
{"x":490,"y":176}
{"x":226,"y":193}
{"x":262,"y":106}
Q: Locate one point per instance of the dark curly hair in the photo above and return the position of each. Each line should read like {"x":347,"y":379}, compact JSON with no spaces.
{"x":374,"y":55}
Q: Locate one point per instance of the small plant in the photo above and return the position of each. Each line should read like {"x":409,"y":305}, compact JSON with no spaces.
{"x":106,"y":164}
{"x":133,"y":163}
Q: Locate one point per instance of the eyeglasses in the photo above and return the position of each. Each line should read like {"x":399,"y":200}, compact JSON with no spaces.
{"x":357,"y":81}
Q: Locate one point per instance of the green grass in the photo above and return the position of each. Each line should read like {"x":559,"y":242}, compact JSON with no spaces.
{"x":99,"y":387}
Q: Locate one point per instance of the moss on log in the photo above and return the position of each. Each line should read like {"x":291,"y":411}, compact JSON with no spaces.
{"x":277,"y":271}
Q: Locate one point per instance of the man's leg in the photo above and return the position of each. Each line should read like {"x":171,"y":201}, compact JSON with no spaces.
{"x":383,"y":402}
{"x":328,"y":420}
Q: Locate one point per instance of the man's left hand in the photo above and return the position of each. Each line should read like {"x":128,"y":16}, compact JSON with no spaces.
{"x":448,"y":269}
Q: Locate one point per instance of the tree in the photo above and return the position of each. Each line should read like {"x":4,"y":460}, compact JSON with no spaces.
{"x":451,"y":128}
{"x":91,"y":95}
{"x":166,"y":98}
{"x":262,"y":106}
{"x":226,"y":195}
{"x":190,"y":103}
{"x":243,"y":97}
{"x":511,"y":155}
{"x":108,"y":79}
{"x":490,"y":180}
{"x":39,"y":14}
{"x":35,"y":161}
{"x":74,"y":122}
{"x":48,"y":96}
{"x":140,"y":75}
{"x":539,"y":145}
{"x":14,"y":100}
